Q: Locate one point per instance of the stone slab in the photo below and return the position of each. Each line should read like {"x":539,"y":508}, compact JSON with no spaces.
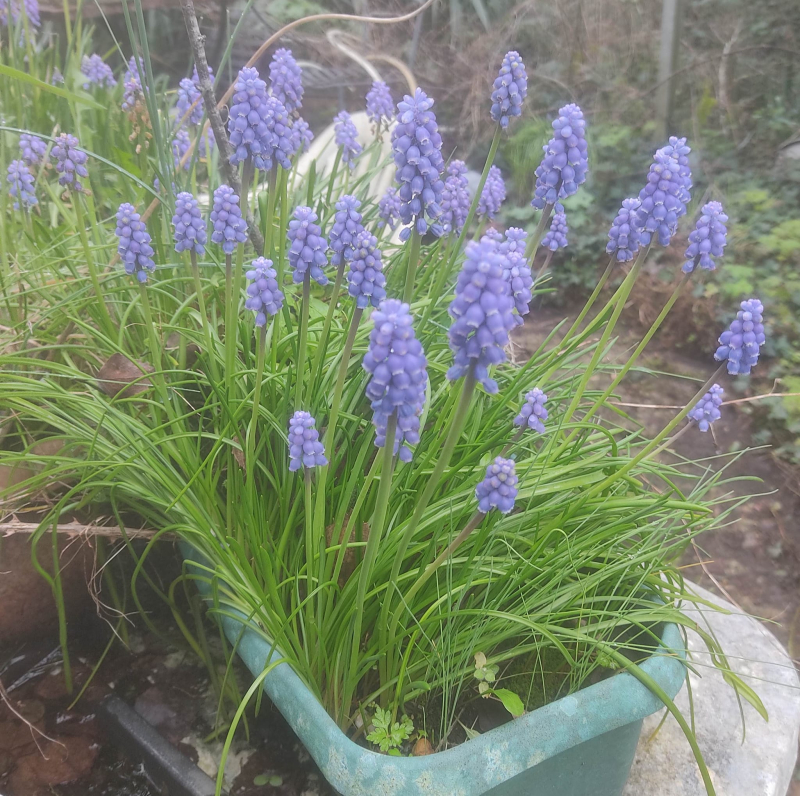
{"x":762,"y":764}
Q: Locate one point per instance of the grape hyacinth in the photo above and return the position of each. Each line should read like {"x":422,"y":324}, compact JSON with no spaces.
{"x":494,"y":235}
{"x":398,"y":368}
{"x":134,"y":247}
{"x":264,"y":297}
{"x":380,"y":106}
{"x":680,"y":151}
{"x":70,"y":162}
{"x":740,"y":344}
{"x":346,"y":227}
{"x":556,"y":237}
{"x":498,"y":490}
{"x":519,"y":272}
{"x":493,"y":194}
{"x":226,"y":217}
{"x":305,"y":449}
{"x":133,"y":82}
{"x":482,"y":313}
{"x":190,"y":229}
{"x":707,"y":238}
{"x":661,"y":203}
{"x":417,"y":147}
{"x":286,"y":80}
{"x":300,"y":133}
{"x":346,"y":135}
{"x":10,"y":12}
{"x":180,"y":146}
{"x":258,"y":125}
{"x":33,"y":149}
{"x":188,"y":94}
{"x":455,"y":198}
{"x":565,"y":161}
{"x":389,"y":208}
{"x":706,"y":410}
{"x":624,"y":237}
{"x":510,"y":89}
{"x":533,"y":413}
{"x":97,"y":72}
{"x":365,"y":280}
{"x":307,"y":247}
{"x":20,"y":185}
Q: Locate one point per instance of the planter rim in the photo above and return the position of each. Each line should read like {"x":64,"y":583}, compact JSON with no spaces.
{"x":477,"y":765}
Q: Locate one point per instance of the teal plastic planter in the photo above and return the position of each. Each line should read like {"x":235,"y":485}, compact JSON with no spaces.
{"x":581,"y":745}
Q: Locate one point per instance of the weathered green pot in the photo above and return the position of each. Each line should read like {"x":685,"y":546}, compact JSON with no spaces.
{"x":581,"y":745}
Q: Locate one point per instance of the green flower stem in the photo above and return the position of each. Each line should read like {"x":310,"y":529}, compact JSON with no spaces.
{"x":653,"y":445}
{"x":411,"y":267}
{"x":201,"y":305}
{"x":152,"y":338}
{"x":105,"y":318}
{"x":514,"y":440}
{"x":330,"y":432}
{"x":322,"y":345}
{"x":599,"y":350}
{"x":310,"y":557}
{"x":331,"y":180}
{"x":251,"y":434}
{"x":230,"y":336}
{"x":538,"y":234}
{"x":473,"y":523}
{"x":303,"y":332}
{"x":457,"y":425}
{"x":269,"y":223}
{"x":370,"y":554}
{"x":600,"y":402}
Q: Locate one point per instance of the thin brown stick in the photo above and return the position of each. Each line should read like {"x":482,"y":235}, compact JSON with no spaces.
{"x":724,"y":403}
{"x":79,"y":529}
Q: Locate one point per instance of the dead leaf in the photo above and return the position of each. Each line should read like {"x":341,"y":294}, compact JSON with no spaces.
{"x":422,"y":747}
{"x":122,"y":377}
{"x":349,"y":562}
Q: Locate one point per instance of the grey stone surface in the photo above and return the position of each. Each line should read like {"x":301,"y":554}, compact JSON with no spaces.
{"x":763,"y":763}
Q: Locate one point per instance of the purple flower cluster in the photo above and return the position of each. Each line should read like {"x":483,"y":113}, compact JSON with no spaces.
{"x":226,"y":217}
{"x":482,"y":310}
{"x":680,"y":151}
{"x":264,"y":296}
{"x":493,"y":195}
{"x":498,"y":490}
{"x":519,"y":272}
{"x":305,"y":449}
{"x":190,"y":229}
{"x":398,"y":368}
{"x":533,"y":413}
{"x":623,"y":237}
{"x":10,"y":11}
{"x":97,"y":72}
{"x":70,"y":162}
{"x":510,"y":89}
{"x":389,"y":208}
{"x":132,"y":83}
{"x":556,"y":237}
{"x":380,"y":106}
{"x":661,"y":200}
{"x":33,"y":148}
{"x":301,"y":134}
{"x":740,"y":344}
{"x":286,"y":80}
{"x":346,"y":135}
{"x":307,"y":247}
{"x":365,"y":280}
{"x":706,"y":410}
{"x":20,"y":185}
{"x":417,"y":147}
{"x":455,"y":198}
{"x":258,"y":125}
{"x":180,"y":146}
{"x":565,"y":161}
{"x":707,"y":238}
{"x":134,"y":247}
{"x":57,"y":79}
{"x":188,"y":94}
{"x":346,"y":227}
